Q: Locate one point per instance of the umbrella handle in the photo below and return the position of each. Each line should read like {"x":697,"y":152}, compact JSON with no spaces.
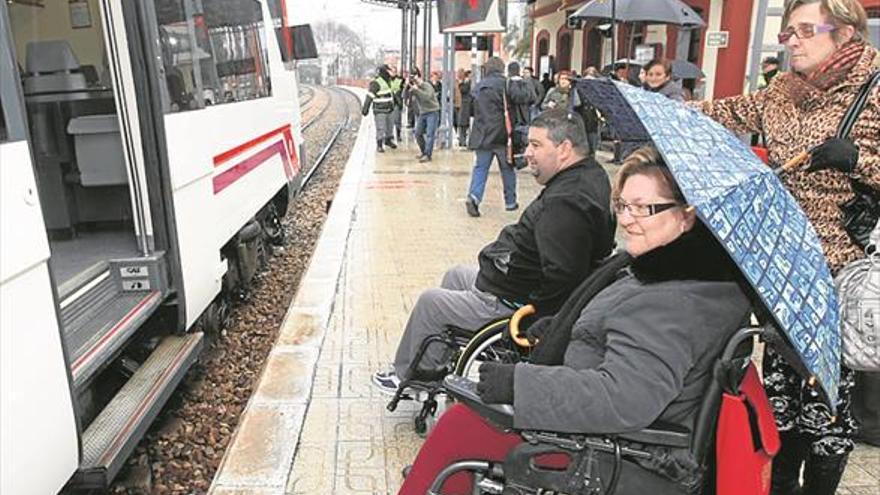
{"x":796,"y":161}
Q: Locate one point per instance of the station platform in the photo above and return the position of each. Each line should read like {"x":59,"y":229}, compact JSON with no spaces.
{"x":316,"y":424}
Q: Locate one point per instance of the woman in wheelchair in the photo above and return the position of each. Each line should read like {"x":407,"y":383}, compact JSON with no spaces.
{"x":641,"y":350}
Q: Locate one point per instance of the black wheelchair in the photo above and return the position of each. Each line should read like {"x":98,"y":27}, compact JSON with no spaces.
{"x":498,"y":341}
{"x":596,"y":463}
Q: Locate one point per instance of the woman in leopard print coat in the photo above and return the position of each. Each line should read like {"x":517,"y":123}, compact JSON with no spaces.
{"x":800,"y":111}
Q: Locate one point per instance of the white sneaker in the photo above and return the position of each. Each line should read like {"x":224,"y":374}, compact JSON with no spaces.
{"x":386,"y":381}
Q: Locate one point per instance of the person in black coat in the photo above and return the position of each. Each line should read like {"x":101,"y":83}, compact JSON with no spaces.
{"x":521,"y":96}
{"x":528,"y":76}
{"x":490,"y":137}
{"x":467,"y":103}
{"x":554,"y":245}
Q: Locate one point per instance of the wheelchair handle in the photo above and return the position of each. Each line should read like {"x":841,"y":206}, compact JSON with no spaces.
{"x":519,"y":338}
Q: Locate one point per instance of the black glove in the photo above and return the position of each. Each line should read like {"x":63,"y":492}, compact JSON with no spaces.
{"x":836,"y":154}
{"x":496,"y":383}
{"x":536,"y":331}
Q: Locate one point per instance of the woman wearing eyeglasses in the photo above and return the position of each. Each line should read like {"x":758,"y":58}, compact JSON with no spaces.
{"x":799,"y":111}
{"x":639,"y":351}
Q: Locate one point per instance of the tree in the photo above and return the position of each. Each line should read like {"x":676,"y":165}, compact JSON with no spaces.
{"x":349,"y":48}
{"x":517,"y":40}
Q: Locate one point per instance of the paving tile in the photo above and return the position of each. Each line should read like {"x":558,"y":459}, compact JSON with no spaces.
{"x":326,"y":382}
{"x":359,"y":420}
{"x":865,"y":490}
{"x":856,"y":476}
{"x":221,"y":490}
{"x":313,"y":469}
{"x":301,"y":328}
{"x":321,"y":424}
{"x":263,"y":447}
{"x":355,"y":381}
{"x":287,"y":376}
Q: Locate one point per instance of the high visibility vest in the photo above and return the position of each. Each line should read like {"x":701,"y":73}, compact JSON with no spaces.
{"x":383,"y":100}
{"x":396,"y":85}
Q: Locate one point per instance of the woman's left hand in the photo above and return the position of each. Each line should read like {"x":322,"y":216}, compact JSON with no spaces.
{"x":834,"y":154}
{"x":496,"y":383}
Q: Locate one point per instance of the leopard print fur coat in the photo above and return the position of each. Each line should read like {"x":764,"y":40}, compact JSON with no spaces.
{"x":791,"y":127}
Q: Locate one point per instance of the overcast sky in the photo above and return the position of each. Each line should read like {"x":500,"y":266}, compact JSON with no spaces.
{"x":380,"y":25}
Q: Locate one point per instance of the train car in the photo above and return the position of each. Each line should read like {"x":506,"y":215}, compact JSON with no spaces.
{"x":148,"y":149}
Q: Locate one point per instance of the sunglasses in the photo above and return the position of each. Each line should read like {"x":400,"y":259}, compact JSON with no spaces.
{"x":803,"y":31}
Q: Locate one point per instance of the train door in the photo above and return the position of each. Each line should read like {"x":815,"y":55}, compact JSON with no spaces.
{"x":72,"y":66}
{"x":39,"y":447}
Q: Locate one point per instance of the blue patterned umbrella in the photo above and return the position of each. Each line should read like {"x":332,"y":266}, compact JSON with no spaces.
{"x":747,"y":208}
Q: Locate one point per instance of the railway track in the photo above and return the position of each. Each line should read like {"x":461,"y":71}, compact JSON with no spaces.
{"x":182,"y":450}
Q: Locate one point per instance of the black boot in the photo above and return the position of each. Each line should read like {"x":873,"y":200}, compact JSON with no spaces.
{"x":785,"y":479}
{"x":822,"y":473}
{"x":379,"y":147}
{"x":390,"y":143}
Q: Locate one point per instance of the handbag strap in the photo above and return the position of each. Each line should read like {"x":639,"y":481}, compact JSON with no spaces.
{"x":855,"y":109}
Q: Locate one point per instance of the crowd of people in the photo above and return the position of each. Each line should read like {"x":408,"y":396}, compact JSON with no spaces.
{"x":641,"y":348}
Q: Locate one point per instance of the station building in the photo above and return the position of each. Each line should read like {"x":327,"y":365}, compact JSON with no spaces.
{"x":721,"y":48}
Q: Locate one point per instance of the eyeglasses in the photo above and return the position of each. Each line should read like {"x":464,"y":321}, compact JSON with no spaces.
{"x":803,"y":31}
{"x":640,"y":211}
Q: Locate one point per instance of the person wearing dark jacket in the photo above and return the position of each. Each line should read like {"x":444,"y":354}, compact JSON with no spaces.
{"x":380,"y":96}
{"x":490,"y":137}
{"x":640,"y":350}
{"x":467,"y":104}
{"x":547,"y":82}
{"x":520,"y":96}
{"x":529,"y":76}
{"x":558,"y":239}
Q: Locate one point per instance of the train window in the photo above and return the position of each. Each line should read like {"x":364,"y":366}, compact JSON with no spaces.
{"x":239,"y":69}
{"x":176,"y":38}
{"x":213,"y":52}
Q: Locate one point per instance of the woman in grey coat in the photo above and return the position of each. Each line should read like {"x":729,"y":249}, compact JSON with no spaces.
{"x":641,"y":350}
{"x":658,"y":79}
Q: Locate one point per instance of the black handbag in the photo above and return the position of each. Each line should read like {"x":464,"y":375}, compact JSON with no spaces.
{"x":860,"y":214}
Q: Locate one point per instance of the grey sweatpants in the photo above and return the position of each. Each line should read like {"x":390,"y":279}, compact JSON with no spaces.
{"x":456,"y":302}
{"x":384,"y":125}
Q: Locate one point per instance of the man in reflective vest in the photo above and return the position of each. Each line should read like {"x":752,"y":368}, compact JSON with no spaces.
{"x":381,"y":97}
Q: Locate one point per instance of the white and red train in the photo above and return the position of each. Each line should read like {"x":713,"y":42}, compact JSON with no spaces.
{"x":148,"y":149}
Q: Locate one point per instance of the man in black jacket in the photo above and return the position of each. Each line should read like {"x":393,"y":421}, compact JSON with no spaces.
{"x":539,"y":260}
{"x":489,"y":137}
{"x":529,"y":76}
{"x":520,"y":96}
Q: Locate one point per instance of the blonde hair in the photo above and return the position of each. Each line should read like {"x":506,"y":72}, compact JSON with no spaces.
{"x":840,"y":12}
{"x":647,"y":161}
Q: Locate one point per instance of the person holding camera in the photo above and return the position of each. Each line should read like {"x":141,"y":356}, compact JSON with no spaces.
{"x":429,"y":117}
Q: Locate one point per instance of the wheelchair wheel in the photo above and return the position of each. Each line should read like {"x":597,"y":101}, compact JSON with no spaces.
{"x":491,"y":345}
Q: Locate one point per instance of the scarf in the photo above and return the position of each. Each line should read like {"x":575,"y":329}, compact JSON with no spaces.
{"x":832,"y":72}
{"x":695,"y":255}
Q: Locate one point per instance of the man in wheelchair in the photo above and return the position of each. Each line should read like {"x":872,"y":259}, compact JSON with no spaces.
{"x":642,"y":350}
{"x":538,"y":260}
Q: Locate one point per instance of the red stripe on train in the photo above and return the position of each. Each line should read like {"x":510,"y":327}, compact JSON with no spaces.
{"x":227,"y":155}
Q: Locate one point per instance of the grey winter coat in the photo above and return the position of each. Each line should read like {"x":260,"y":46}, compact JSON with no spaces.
{"x":639,"y":352}
{"x":671,"y":90}
{"x":557,"y":98}
{"x":426,"y":97}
